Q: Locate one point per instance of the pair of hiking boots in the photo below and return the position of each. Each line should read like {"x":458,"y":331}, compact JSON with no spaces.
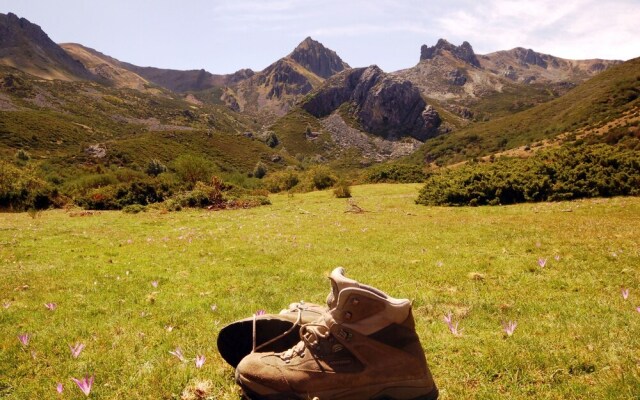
{"x":363,"y":345}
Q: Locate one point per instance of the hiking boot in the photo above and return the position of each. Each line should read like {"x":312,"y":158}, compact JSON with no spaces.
{"x":266,"y":332}
{"x":364,"y":347}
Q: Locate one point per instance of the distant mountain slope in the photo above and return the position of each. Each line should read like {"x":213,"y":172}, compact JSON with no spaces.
{"x":26,"y":47}
{"x":610,"y":96}
{"x":275,"y":89}
{"x":105,"y":67}
{"x":527,"y":66}
{"x":480,"y":87}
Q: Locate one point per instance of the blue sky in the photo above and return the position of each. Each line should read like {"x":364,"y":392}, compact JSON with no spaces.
{"x":223,"y":36}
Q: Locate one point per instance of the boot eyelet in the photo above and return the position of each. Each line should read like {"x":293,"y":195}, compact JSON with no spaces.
{"x":347,"y":315}
{"x":355,"y":301}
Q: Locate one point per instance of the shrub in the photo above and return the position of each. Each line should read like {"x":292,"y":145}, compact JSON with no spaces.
{"x":191,"y":169}
{"x":260,"y":170}
{"x":323,"y":177}
{"x":271,"y":140}
{"x":155,"y":168}
{"x":281,"y":181}
{"x":342,"y":190}
{"x":561,"y":174}
{"x":21,"y":189}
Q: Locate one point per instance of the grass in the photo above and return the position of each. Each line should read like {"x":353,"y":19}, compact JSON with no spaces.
{"x":576,"y":336}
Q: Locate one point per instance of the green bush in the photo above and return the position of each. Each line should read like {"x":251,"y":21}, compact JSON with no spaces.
{"x":155,"y":168}
{"x":395,"y":173}
{"x":260,"y":170}
{"x":21,"y":189}
{"x":281,"y":181}
{"x":318,"y":177}
{"x":191,"y":169}
{"x":342,"y":190}
{"x":561,"y":174}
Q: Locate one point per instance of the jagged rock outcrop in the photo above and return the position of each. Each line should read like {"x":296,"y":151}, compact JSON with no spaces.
{"x":463,"y":52}
{"x":25,"y":46}
{"x":383,"y":105}
{"x":318,"y":59}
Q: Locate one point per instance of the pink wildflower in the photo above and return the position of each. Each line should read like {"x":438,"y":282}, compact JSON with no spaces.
{"x":76,"y":349}
{"x":84,"y":384}
{"x":200,"y":361}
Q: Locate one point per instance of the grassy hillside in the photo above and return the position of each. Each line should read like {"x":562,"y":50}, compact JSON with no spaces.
{"x":57,"y":121}
{"x":576,"y":336}
{"x":604,"y":98}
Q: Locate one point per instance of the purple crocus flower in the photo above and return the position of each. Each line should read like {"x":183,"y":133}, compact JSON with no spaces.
{"x":625,"y":293}
{"x":84,"y":384}
{"x":638,"y":309}
{"x":178,"y":353}
{"x":24,"y":339}
{"x":542,"y":262}
{"x":76,"y":349}
{"x":448,"y":318}
{"x":454,"y":329}
{"x":50,"y":306}
{"x":154,"y":284}
{"x":59,"y":388}
{"x":260,"y":312}
{"x":509,"y":327}
{"x":556,"y":257}
{"x":200,"y":361}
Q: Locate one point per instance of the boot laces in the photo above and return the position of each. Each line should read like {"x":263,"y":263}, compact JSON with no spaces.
{"x":310,"y":336}
{"x":300,"y":307}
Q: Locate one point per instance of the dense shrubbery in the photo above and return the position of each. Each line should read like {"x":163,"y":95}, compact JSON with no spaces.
{"x":21,"y":189}
{"x":561,"y":174}
{"x":394,"y":173}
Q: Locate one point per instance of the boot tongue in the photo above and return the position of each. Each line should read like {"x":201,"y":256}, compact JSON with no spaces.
{"x":338,"y":282}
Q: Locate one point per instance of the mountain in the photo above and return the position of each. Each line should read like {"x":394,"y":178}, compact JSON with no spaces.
{"x":279,"y":86}
{"x":479,"y":87}
{"x":123,"y":74}
{"x":605,"y":108}
{"x":26,"y":47}
{"x":107,"y":68}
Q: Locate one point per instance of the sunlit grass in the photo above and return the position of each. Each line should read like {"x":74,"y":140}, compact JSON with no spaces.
{"x":576,"y":336}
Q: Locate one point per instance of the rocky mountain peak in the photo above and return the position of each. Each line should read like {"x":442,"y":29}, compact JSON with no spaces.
{"x":313,"y":56}
{"x":530,"y":57}
{"x":26,"y":46}
{"x":463,"y":52}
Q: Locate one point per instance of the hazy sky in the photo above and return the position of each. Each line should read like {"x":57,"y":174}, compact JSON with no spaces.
{"x":223,"y":36}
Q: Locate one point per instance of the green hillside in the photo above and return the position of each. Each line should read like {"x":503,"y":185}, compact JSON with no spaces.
{"x":604,"y":98}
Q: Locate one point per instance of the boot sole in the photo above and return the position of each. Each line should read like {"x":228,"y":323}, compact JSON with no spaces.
{"x":235,"y":341}
{"x":418,"y":389}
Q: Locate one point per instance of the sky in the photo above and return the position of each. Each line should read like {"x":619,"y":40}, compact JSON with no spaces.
{"x":223,"y":36}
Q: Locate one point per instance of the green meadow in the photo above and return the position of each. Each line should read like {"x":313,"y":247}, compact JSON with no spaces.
{"x":134,"y":287}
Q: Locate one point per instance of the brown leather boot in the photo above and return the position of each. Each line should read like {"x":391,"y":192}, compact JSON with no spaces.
{"x":364,"y":347}
{"x":266,"y":332}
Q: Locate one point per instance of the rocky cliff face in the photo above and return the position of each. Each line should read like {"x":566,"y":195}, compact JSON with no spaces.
{"x":313,"y":56}
{"x":25,"y":46}
{"x":463,"y":52}
{"x":384,"y":105}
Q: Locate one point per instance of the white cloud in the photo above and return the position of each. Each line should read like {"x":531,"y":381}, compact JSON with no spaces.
{"x":570,"y":29}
